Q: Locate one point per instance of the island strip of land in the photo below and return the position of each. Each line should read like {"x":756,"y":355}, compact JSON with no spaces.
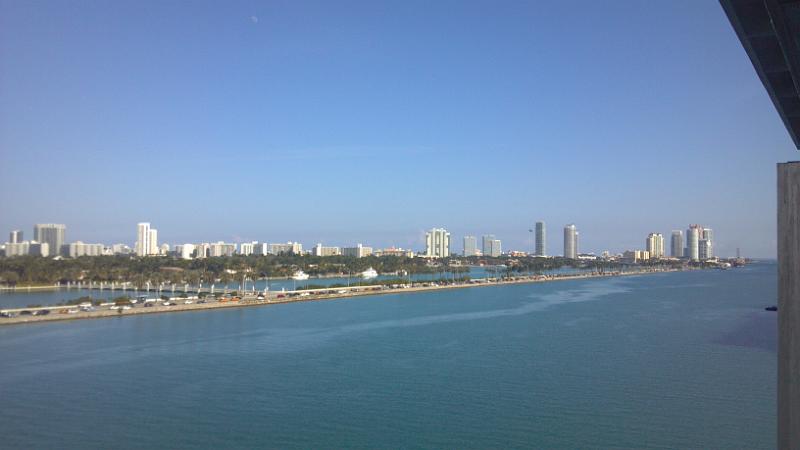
{"x":16,"y":316}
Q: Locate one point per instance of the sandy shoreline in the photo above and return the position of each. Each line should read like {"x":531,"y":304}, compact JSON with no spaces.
{"x":58,"y":313}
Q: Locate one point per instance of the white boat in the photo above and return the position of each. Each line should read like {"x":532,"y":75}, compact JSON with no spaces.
{"x":369,"y":273}
{"x":300,"y":276}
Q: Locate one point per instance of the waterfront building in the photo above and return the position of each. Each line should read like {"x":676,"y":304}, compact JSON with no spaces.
{"x":570,"y":241}
{"x":320,"y":250}
{"x":359,"y":251}
{"x":635,"y":256}
{"x":676,"y":245}
{"x":437,"y":243}
{"x":708,"y":236}
{"x":289,"y":247}
{"x":693,"y":234}
{"x":705,"y":250}
{"x":655,"y":245}
{"x":541,"y":240}
{"x":52,"y":233}
{"x":392,"y":251}
{"x":39,"y":249}
{"x":78,"y":249}
{"x":470,"y":246}
{"x":491,"y":246}
{"x":15,"y":237}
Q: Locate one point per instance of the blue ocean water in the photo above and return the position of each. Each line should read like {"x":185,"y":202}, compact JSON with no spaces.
{"x":676,"y":360}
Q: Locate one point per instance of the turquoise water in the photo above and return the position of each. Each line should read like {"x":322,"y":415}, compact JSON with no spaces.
{"x":678,"y":360}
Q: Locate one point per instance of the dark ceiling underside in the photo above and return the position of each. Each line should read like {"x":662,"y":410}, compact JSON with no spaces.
{"x":770,"y":33}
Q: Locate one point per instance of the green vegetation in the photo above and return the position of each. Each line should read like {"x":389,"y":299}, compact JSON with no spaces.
{"x":223,"y":270}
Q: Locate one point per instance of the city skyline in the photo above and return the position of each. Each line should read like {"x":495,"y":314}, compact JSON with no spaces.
{"x":437,"y":243}
{"x":104,"y":136}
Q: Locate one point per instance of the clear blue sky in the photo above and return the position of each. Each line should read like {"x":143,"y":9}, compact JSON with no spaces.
{"x":346,"y":122}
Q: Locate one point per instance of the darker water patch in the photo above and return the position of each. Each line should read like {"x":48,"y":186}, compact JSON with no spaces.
{"x":758,"y":330}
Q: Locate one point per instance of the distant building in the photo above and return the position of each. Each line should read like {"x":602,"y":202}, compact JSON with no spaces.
{"x":570,"y":241}
{"x":152,"y":242}
{"x":78,"y":249}
{"x":260,"y":248}
{"x":184,"y":251}
{"x":320,"y":250}
{"x":142,"y":239}
{"x":705,"y":250}
{"x":247,"y":248}
{"x":541,"y":240}
{"x":39,"y":249}
{"x":121,"y":249}
{"x":636,"y":256}
{"x":15,"y":237}
{"x":676,"y":245}
{"x":289,"y":247}
{"x":470,"y":246}
{"x":163,"y":249}
{"x":221,"y":248}
{"x":359,"y":251}
{"x":655,"y":245}
{"x":491,"y":246}
{"x":51,"y":233}
{"x":437,"y":243}
{"x":392,"y":251}
{"x":17,"y":248}
{"x":202,"y":250}
{"x":693,"y":234}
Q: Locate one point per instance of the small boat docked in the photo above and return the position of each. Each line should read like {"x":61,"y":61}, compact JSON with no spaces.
{"x":300,"y":276}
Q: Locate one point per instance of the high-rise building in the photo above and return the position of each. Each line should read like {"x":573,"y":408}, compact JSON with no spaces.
{"x":491,"y":246}
{"x":15,"y":237}
{"x":51,"y":233}
{"x":676,"y":245}
{"x":437,"y":243}
{"x":541,"y":239}
{"x":246,"y":248}
{"x":693,"y":234}
{"x":705,"y":249}
{"x":152,"y":241}
{"x":570,"y":241}
{"x":470,"y":246}
{"x":655,"y":245}
{"x":143,"y":239}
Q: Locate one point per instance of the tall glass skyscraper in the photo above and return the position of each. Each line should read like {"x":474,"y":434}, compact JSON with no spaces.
{"x":570,"y":241}
{"x":470,"y":246}
{"x":541,"y":239}
{"x":676,"y":247}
